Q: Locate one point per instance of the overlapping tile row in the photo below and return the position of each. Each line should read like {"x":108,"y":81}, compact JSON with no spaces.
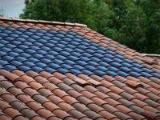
{"x":32,"y":95}
{"x":59,"y":71}
{"x":88,"y":33}
{"x":63,"y":51}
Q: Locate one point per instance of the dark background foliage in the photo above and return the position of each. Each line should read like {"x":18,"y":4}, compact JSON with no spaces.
{"x":135,"y":23}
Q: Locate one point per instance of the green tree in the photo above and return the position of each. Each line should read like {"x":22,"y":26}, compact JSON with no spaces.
{"x":152,"y":10}
{"x":135,"y":23}
{"x":128,"y":26}
{"x":88,"y":12}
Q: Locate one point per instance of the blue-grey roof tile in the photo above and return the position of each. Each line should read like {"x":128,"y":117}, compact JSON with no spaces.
{"x":63,"y":51}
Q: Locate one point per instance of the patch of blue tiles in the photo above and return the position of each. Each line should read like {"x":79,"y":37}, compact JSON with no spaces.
{"x":64,"y":52}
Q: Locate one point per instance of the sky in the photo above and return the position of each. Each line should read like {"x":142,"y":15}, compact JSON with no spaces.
{"x":11,"y":8}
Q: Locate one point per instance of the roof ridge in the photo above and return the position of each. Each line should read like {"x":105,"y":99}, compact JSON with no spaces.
{"x":43,"y":21}
{"x":151,"y":55}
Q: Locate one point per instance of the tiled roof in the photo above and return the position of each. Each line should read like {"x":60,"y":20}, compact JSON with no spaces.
{"x":54,"y":70}
{"x":156,"y":57}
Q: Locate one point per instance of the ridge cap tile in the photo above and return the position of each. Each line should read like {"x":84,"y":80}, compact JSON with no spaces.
{"x":41,"y":21}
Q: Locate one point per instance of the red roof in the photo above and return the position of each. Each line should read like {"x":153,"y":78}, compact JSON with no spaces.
{"x":54,"y":70}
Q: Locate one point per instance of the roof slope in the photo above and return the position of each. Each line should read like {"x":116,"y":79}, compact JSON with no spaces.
{"x":156,"y":57}
{"x":53,"y":70}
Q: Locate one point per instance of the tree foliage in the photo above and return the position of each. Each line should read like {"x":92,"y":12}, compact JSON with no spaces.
{"x":135,"y":23}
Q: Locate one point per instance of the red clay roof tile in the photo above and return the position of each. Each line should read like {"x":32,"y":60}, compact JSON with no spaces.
{"x":45,"y":113}
{"x":76,"y":79}
{"x":31,"y":73}
{"x":37,"y":118}
{"x":70,"y":100}
{"x":8,"y":97}
{"x":35,"y":85}
{"x":12,"y":112}
{"x":60,"y":113}
{"x":28,"y":94}
{"x":55,"y":99}
{"x":24,"y":98}
{"x":35,"y":106}
{"x":20,"y":118}
{"x":21,"y":85}
{"x":15,"y":91}
{"x":30,"y":91}
{"x":4,"y":105}
{"x":45,"y":74}
{"x":50,"y":106}
{"x":8,"y":75}
{"x":133,"y":83}
{"x":77,"y":114}
{"x":40,"y":79}
{"x":28,"y":113}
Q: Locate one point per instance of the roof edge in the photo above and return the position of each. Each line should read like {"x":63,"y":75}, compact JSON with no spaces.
{"x":42,"y":21}
{"x":151,"y":55}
